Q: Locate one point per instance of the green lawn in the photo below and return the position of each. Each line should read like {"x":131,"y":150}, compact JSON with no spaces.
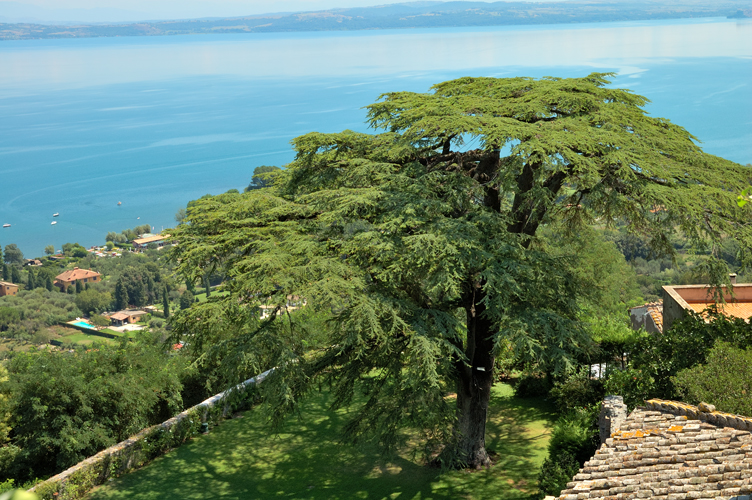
{"x":202,"y":296}
{"x":85,"y":339}
{"x":241,"y":460}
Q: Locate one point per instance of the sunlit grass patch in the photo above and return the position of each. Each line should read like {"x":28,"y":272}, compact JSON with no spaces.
{"x":241,"y":459}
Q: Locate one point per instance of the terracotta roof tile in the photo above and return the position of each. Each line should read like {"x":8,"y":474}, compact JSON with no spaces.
{"x":76,"y":274}
{"x":734,"y":309}
{"x":669,"y":450}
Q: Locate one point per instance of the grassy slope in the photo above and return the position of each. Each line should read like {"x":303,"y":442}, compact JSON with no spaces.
{"x":240,"y":459}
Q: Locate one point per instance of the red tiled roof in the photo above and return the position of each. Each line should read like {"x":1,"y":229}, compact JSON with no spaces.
{"x":76,"y":274}
{"x":733,"y":309}
{"x":655,"y":310}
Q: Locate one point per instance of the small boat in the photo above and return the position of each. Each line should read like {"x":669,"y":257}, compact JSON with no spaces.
{"x":6,"y":225}
{"x":55,"y":214}
{"x":138,"y":217}
{"x":53,"y":222}
{"x":120,"y":203}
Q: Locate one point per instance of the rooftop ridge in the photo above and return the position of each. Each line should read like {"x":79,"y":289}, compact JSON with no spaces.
{"x":703,"y":412}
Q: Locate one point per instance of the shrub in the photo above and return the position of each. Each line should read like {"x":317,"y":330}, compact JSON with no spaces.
{"x":574,"y":440}
{"x":532,"y":385}
{"x":685,"y":345}
{"x":725,"y":381}
{"x":556,"y":472}
{"x":578,"y":391}
{"x":576,"y":433}
{"x":633,"y":384}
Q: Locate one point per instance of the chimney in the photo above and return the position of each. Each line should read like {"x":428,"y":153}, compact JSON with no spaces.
{"x":75,"y":268}
{"x":613,"y":413}
{"x":732,"y":278}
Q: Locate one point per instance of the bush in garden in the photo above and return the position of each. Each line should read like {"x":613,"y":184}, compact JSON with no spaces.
{"x":724,"y":381}
{"x":574,"y":440}
{"x":685,"y":345}
{"x":556,"y":472}
{"x":578,"y":391}
{"x":532,"y":385}
{"x":633,"y":384}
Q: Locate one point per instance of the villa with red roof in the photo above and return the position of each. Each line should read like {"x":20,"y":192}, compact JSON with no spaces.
{"x":69,"y":278}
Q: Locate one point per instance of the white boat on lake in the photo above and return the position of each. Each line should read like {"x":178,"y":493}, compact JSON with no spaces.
{"x":53,"y":222}
{"x":6,"y":225}
{"x":55,"y":214}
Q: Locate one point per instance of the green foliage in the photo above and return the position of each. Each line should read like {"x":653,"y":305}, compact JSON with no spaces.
{"x":165,"y":303}
{"x":532,"y":385}
{"x":29,"y":312}
{"x":635,"y":385}
{"x":263,"y":176}
{"x":425,"y":254}
{"x":13,"y":255}
{"x":99,"y":320}
{"x":576,"y":433}
{"x":93,"y":300}
{"x":574,"y":440}
{"x":186,"y":299}
{"x":578,"y":391}
{"x":15,"y":274}
{"x":685,"y":345}
{"x":49,"y":250}
{"x":74,"y":250}
{"x":121,"y":295}
{"x":556,"y":472}
{"x":725,"y":380}
{"x":608,"y":283}
{"x":65,"y":407}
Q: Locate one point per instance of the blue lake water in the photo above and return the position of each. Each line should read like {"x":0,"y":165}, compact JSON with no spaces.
{"x":154,"y":122}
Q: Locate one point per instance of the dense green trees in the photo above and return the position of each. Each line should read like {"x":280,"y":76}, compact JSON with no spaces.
{"x":13,"y":255}
{"x":93,"y":300}
{"x":422,"y":242}
{"x":65,"y":407}
{"x":27,"y":315}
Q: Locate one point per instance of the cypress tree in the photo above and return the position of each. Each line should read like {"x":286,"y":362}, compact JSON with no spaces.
{"x":30,"y":280}
{"x":121,"y":295}
{"x":165,"y":303}
{"x":6,"y":272}
{"x":48,"y":284}
{"x":79,"y":286}
{"x":15,"y":275}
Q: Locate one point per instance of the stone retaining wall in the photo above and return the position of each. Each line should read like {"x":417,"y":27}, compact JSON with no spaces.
{"x":148,"y":444}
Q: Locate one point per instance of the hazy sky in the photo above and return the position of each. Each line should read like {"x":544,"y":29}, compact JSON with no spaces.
{"x":130,"y":10}
{"x":164,"y":9}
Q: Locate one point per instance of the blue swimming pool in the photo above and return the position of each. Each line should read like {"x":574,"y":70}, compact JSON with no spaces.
{"x":82,"y":324}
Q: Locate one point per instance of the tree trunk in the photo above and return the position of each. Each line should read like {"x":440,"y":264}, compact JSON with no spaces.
{"x":474,"y":388}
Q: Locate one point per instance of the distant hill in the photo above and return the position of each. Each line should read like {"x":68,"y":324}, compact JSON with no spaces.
{"x":395,"y":16}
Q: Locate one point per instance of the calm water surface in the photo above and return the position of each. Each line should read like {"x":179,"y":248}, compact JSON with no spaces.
{"x":156,"y":122}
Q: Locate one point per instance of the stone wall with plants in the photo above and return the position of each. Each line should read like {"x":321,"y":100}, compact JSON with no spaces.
{"x":146,"y":445}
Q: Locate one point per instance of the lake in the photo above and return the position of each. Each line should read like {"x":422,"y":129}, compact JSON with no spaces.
{"x":154,"y":122}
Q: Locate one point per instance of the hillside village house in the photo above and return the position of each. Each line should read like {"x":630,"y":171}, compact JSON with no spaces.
{"x":8,"y":288}
{"x":678,"y":300}
{"x":121,"y":318}
{"x":157,"y":239}
{"x":68,"y":278}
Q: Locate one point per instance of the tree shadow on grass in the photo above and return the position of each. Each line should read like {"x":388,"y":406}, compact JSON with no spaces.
{"x":241,"y":459}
